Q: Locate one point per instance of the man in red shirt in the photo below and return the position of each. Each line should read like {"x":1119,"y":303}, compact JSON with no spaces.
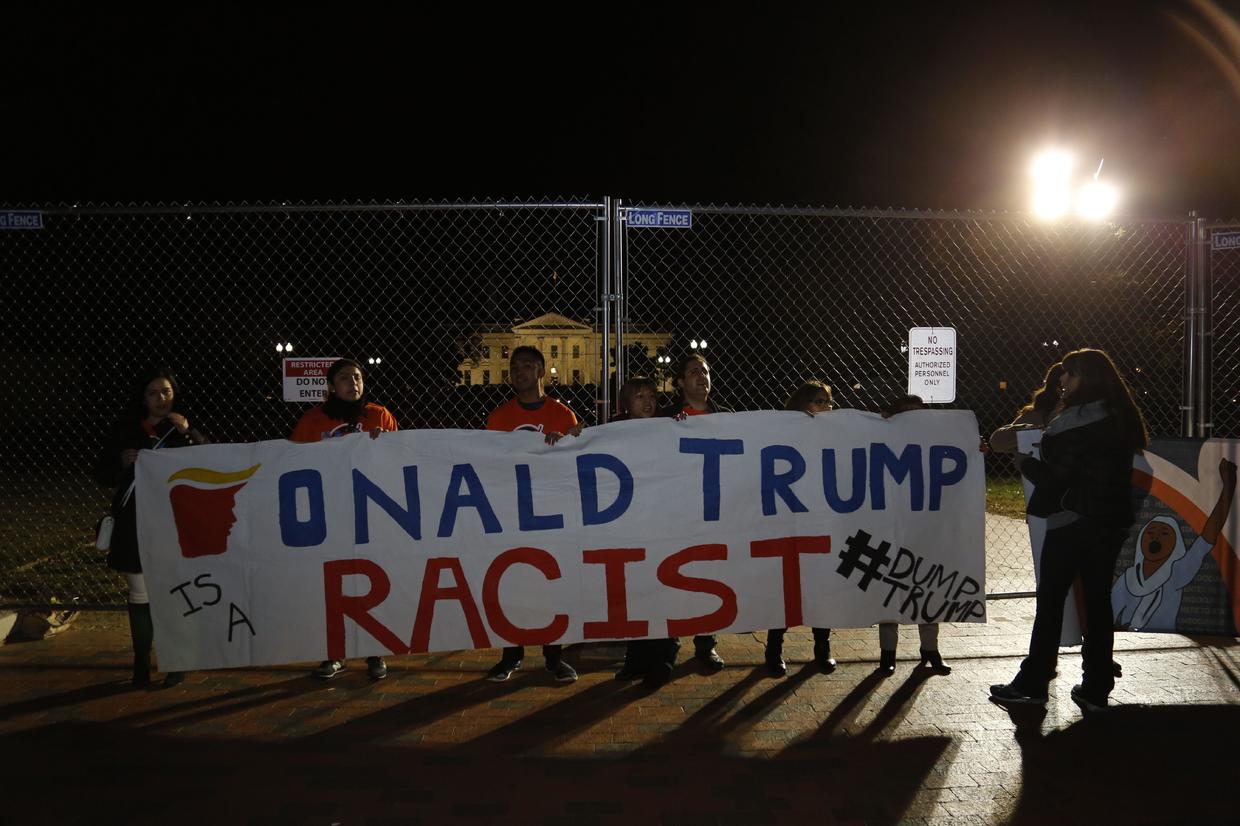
{"x":692,"y":398}
{"x":532,"y":409}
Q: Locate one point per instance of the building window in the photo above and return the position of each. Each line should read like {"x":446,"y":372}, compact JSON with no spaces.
{"x":576,"y":377}
{"x":505,"y":375}
{"x":576,"y":351}
{"x":486,"y":376}
{"x":486,"y":351}
{"x":555,"y":351}
{"x":468,"y":377}
{"x":503,"y":352}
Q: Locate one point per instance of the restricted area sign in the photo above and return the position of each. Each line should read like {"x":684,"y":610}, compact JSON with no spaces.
{"x":305,"y":380}
{"x":932,"y":364}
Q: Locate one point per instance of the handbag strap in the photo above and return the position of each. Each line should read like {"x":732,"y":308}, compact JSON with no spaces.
{"x":156,"y":446}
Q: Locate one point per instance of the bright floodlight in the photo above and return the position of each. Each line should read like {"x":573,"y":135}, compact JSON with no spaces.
{"x":1051,"y":201}
{"x":1052,"y":167}
{"x":1096,"y":200}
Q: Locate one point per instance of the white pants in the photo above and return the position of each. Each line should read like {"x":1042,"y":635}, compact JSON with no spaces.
{"x":888,"y":634}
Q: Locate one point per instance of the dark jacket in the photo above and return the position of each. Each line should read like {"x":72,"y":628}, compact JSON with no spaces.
{"x":126,"y":434}
{"x":1086,"y":468}
{"x":677,"y":405}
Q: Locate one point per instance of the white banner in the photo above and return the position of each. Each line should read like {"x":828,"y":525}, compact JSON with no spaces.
{"x":275,"y":552}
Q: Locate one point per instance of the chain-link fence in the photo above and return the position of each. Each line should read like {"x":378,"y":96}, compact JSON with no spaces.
{"x":438,"y":295}
{"x":97,"y":295}
{"x":1223,"y":273}
{"x":780,"y":296}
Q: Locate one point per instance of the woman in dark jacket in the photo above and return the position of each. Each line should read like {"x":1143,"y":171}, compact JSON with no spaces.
{"x":151,"y":420}
{"x":1083,"y":486}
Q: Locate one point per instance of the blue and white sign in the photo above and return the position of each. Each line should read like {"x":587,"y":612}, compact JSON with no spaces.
{"x":21,"y":220}
{"x":664,"y":218}
{"x":1225,"y":240}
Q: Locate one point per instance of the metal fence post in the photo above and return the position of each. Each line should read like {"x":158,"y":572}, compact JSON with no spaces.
{"x":1205,"y":335}
{"x":1188,"y":420}
{"x":618,"y":296}
{"x":605,"y":305}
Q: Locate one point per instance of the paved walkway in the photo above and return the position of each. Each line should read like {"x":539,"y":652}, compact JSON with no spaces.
{"x":435,"y":743}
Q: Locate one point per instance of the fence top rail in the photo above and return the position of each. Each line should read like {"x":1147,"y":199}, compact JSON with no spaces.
{"x":918,"y":214}
{"x":202,"y":209}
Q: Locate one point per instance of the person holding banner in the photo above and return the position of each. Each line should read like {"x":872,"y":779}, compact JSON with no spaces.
{"x":812,"y":397}
{"x":532,"y":409}
{"x":927,"y":632}
{"x":652,"y":661}
{"x":152,"y":420}
{"x":346,"y":410}
{"x":692,"y":382}
{"x":1083,"y":486}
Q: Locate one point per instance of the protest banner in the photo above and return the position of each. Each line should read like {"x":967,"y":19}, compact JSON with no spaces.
{"x":419,"y":541}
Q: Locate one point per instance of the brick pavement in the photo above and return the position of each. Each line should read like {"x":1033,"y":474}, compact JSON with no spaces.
{"x":435,"y":743}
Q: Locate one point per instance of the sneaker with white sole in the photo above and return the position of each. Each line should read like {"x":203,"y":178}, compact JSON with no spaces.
{"x":502,"y":670}
{"x":562,"y":671}
{"x":376,"y":668}
{"x":1009,"y":693}
{"x":328,"y":669}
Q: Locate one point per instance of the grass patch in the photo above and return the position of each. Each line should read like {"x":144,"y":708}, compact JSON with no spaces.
{"x":1005,"y":497}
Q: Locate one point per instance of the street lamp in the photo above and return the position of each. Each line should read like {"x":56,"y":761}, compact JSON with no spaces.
{"x":279,"y":347}
{"x":1053,"y":194}
{"x":288,"y":348}
{"x":693,"y":345}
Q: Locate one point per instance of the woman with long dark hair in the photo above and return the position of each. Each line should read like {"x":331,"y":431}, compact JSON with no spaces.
{"x":1042,"y":407}
{"x":152,"y":418}
{"x":1083,"y":486}
{"x":346,"y":410}
{"x":812,"y":397}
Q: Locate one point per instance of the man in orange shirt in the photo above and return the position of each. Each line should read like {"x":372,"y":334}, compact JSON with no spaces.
{"x":532,"y":409}
{"x":346,"y":410}
{"x":692,"y":398}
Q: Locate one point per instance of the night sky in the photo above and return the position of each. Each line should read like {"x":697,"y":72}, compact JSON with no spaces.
{"x":906,"y":105}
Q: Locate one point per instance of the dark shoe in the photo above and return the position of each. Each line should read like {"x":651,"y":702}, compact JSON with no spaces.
{"x":1009,"y":693}
{"x":935,"y":660}
{"x":562,"y":671}
{"x":709,"y":658}
{"x":1088,"y":703}
{"x":822,"y":656}
{"x":376,"y":668}
{"x":886,"y":663}
{"x":775,"y":664}
{"x":628,"y":673}
{"x":142,"y":632}
{"x":328,"y":669}
{"x":502,"y":670}
{"x":657,"y":676}
{"x":173,"y":679}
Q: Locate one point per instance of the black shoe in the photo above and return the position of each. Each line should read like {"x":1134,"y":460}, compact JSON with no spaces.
{"x":328,"y":669}
{"x":562,"y":671}
{"x":1009,"y":693}
{"x":173,"y":679}
{"x":657,"y":676}
{"x":376,"y":668}
{"x":502,"y":670}
{"x":935,"y":660}
{"x":1088,"y":703}
{"x":822,"y":656}
{"x":710,"y":658}
{"x":629,"y":673}
{"x":775,"y":665}
{"x":886,"y":663}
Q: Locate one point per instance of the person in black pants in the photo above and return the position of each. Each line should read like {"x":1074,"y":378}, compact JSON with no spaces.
{"x":1083,"y":486}
{"x":692,"y":381}
{"x":151,"y":419}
